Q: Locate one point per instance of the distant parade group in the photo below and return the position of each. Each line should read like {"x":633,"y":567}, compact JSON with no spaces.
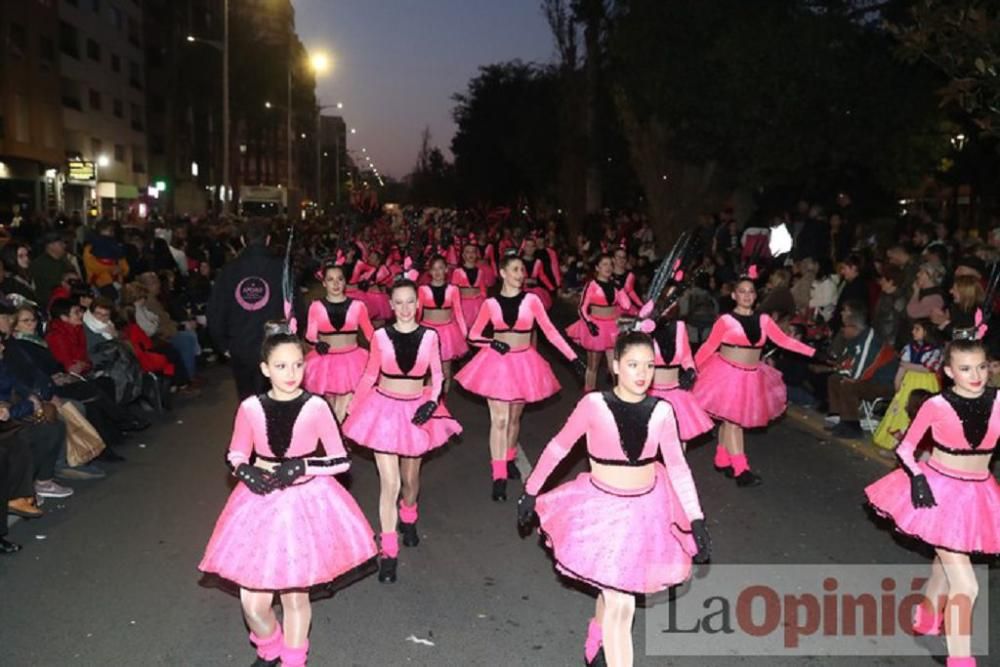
{"x":391,"y":337}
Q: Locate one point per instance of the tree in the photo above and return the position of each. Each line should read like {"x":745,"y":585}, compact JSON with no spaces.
{"x":432,"y":179}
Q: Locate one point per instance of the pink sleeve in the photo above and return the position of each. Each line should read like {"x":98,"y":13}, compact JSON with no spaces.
{"x":241,"y":444}
{"x":434,"y":364}
{"x":312,"y":324}
{"x":549,"y":329}
{"x":677,"y":467}
{"x":482,"y":319}
{"x":781,"y":339}
{"x":457,"y":312}
{"x":586,"y":301}
{"x":630,"y":290}
{"x":370,"y":375}
{"x":560,"y":445}
{"x":712,"y":344}
{"x":335,"y":461}
{"x":914,"y":434}
{"x":542,"y":276}
{"x":683,"y":347}
{"x":364,"y":322}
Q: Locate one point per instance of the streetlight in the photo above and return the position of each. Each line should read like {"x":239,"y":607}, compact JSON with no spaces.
{"x":321,"y":63}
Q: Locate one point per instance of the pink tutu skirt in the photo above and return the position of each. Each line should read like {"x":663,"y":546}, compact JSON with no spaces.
{"x":750,"y":396}
{"x":470,"y":308}
{"x":383,"y":422}
{"x":337,"y":372}
{"x":308,"y":534}
{"x":520,"y":376}
{"x":692,"y":421}
{"x":542,"y":294}
{"x":453,"y":343}
{"x":607,"y":333}
{"x":636,"y":541}
{"x":966,"y":518}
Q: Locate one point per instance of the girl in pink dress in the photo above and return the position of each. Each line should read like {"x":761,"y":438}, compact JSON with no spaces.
{"x":441,"y":310}
{"x":734,"y":385}
{"x":600,"y":306}
{"x":675,"y":374}
{"x":288,"y":524}
{"x":471,"y":279}
{"x":536,"y":280}
{"x":399,"y":418}
{"x":949,"y":501}
{"x":335,"y":364}
{"x":507,"y":370}
{"x":632,"y":525}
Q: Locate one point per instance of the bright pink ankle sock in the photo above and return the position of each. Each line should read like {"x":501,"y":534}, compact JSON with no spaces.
{"x":593,"y":643}
{"x":390,"y":544}
{"x":499,"y":469}
{"x":268,"y":648}
{"x":740,"y":464}
{"x":722,"y":459}
{"x":294,"y":657}
{"x":925,"y":622}
{"x":512,"y":453}
{"x":408,"y":513}
{"x":961,"y":662}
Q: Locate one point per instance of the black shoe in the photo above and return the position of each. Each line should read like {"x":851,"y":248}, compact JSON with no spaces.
{"x":500,"y":490}
{"x":387,"y":570}
{"x":110,"y":456}
{"x":599,"y":659}
{"x":409,"y":532}
{"x":725,"y":470}
{"x":8,"y":547}
{"x":748,"y":478}
{"x":512,"y":471}
{"x":261,"y":662}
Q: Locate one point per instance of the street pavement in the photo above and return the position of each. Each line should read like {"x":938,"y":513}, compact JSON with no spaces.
{"x":108,"y":577}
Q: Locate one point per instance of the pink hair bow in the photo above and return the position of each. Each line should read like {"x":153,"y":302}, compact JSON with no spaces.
{"x":980,"y":325}
{"x":752,"y":272}
{"x":409,"y":272}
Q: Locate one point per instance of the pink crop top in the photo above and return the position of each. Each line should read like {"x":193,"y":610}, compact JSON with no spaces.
{"x":962,"y":426}
{"x":327,"y":317}
{"x":621,"y":433}
{"x":626,"y":283}
{"x":276,"y":430}
{"x":533,"y":268}
{"x":467,"y":278}
{"x":517,"y":314}
{"x":600,"y":293}
{"x":399,"y":355}
{"x":671,"y":338}
{"x":750,"y":331}
{"x":441,"y":297}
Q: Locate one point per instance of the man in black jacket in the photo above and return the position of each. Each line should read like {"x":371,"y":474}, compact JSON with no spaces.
{"x":247,"y":295}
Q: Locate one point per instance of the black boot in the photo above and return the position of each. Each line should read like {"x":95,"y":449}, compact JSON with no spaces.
{"x":748,"y":478}
{"x":8,"y":547}
{"x":409,"y":532}
{"x":725,"y":470}
{"x":261,"y":662}
{"x":512,"y":471}
{"x":599,"y":660}
{"x":387,"y":570}
{"x":500,"y":490}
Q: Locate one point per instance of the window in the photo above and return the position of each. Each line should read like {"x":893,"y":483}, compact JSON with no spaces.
{"x":70,"y":92}
{"x":117,"y":18}
{"x":116,"y":63}
{"x":95,"y":100}
{"x":18,"y":40}
{"x":134,"y":75}
{"x":95,"y":146}
{"x":46,"y":51}
{"x":69,"y":42}
{"x":119,"y":153}
{"x":119,"y":109}
{"x":93,"y":50}
{"x":138,"y":162}
{"x":133,"y":32}
{"x":137,"y":122}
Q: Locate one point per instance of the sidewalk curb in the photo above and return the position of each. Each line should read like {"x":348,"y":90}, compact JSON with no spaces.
{"x":812,"y":421}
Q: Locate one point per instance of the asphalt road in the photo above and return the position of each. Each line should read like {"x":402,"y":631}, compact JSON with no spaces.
{"x":109,"y":576}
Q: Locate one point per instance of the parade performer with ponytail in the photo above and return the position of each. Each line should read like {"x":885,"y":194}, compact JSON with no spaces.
{"x":950,"y":501}
{"x":471,"y":279}
{"x":288,"y":524}
{"x":596,"y":330}
{"x":536,"y":280}
{"x":399,"y":418}
{"x":734,"y":385}
{"x":625,"y":280}
{"x":441,"y":310}
{"x":675,"y":376}
{"x":507,"y":370}
{"x":633,"y":524}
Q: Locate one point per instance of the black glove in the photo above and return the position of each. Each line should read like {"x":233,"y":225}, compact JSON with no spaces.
{"x":702,"y":539}
{"x":322,"y":347}
{"x":525,"y":510}
{"x":259,"y":481}
{"x":592,"y":328}
{"x":920,"y":492}
{"x":500,"y":346}
{"x":580,"y":366}
{"x":424,"y":412}
{"x":288,"y":471}
{"x":687,"y":378}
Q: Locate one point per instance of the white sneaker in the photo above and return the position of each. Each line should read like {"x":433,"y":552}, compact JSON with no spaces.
{"x":52,"y":489}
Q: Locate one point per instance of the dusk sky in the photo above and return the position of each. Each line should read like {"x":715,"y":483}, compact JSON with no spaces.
{"x":398,"y":62}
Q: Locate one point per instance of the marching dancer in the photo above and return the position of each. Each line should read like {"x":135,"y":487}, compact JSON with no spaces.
{"x":625,"y":280}
{"x":471,"y":279}
{"x":536,"y":280}
{"x":335,"y":364}
{"x":950,"y":501}
{"x":734,"y":385}
{"x":288,"y":524}
{"x":507,"y":370}
{"x":399,"y":418}
{"x":596,"y":330}
{"x":441,"y":310}
{"x":675,"y":376}
{"x":632,"y":525}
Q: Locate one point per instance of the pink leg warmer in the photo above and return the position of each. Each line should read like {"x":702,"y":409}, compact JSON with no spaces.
{"x":593,"y":643}
{"x":499,"y":469}
{"x":294,"y":657}
{"x":961,"y":662}
{"x":925,"y":622}
{"x":268,"y":648}
{"x":408,"y":513}
{"x":512,"y":453}
{"x":740,"y":464}
{"x":390,"y":544}
{"x":722,"y":459}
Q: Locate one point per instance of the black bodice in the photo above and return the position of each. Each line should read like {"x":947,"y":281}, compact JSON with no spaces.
{"x":751,"y":326}
{"x":472,"y":274}
{"x":608,"y":288}
{"x":632,"y":420}
{"x":337,"y":312}
{"x":510,"y":307}
{"x":666,"y":339}
{"x":279,"y":420}
{"x":438,"y":292}
{"x":973,"y":413}
{"x":406,"y":346}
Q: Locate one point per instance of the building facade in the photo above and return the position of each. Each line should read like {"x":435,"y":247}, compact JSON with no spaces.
{"x":333,"y":160}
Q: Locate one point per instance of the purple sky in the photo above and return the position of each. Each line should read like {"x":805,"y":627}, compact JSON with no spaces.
{"x":398,"y":62}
